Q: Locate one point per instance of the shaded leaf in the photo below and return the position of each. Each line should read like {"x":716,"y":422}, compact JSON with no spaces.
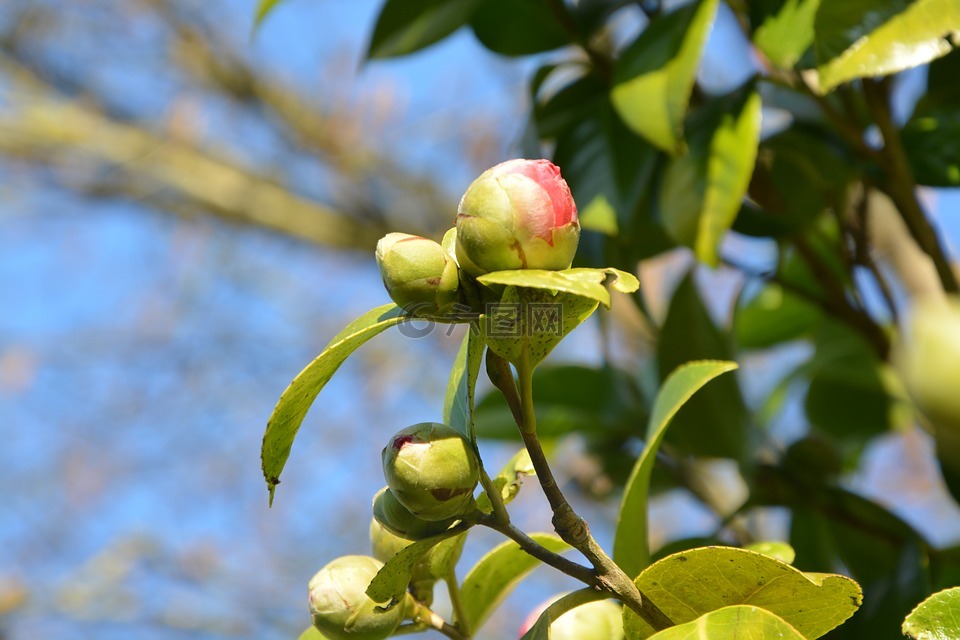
{"x":742,"y":622}
{"x":390,"y":583}
{"x":692,"y":583}
{"x":936,"y":618}
{"x":405,"y":26}
{"x":654,"y":76}
{"x":509,"y":480}
{"x":702,"y":191}
{"x":518,"y":27}
{"x":773,"y":316}
{"x":296,"y":400}
{"x":497,"y":573}
{"x":784,"y":37}
{"x":713,"y":423}
{"x":631,"y":545}
{"x":881,"y":37}
{"x":931,"y":139}
{"x":569,"y":398}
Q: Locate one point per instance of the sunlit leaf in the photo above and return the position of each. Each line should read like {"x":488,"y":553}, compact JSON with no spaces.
{"x":458,"y":401}
{"x":296,"y":400}
{"x":497,"y":573}
{"x":777,"y":550}
{"x":936,"y":618}
{"x":784,"y":37}
{"x":692,"y":583}
{"x":405,"y":26}
{"x":631,"y":545}
{"x":587,"y":283}
{"x":312,"y":634}
{"x":742,"y":622}
{"x":881,"y":36}
{"x":703,"y":190}
{"x":655,"y":75}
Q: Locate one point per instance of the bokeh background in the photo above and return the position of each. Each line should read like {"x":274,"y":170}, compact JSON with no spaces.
{"x":188,"y":212}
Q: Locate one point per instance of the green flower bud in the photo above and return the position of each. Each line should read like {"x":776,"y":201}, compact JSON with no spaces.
{"x":601,"y":620}
{"x":517,"y":215}
{"x":397,"y":519}
{"x":418,"y":273}
{"x":432,"y":470}
{"x":929,"y":359}
{"x":339,"y":604}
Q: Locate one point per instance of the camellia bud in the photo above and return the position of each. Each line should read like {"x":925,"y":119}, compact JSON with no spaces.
{"x":600,"y":620}
{"x":418,"y":273}
{"x":517,"y":215}
{"x":432,"y":470}
{"x":929,"y":360}
{"x":340,"y":606}
{"x":398,"y":520}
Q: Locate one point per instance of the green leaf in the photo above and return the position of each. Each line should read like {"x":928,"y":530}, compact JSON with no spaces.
{"x":586,"y":283}
{"x":784,"y":37}
{"x":631,"y":546}
{"x":312,"y":634}
{"x":598,"y":622}
{"x":518,"y":27}
{"x":777,"y":550}
{"x":509,"y":480}
{"x":773,"y":316}
{"x":263,"y":8}
{"x":569,"y":398}
{"x":931,"y":139}
{"x":529,"y":322}
{"x":936,"y":618}
{"x":742,"y":622}
{"x":692,"y":583}
{"x":703,"y":190}
{"x":458,"y":401}
{"x":405,"y":26}
{"x":713,"y":423}
{"x":299,"y":396}
{"x":881,"y":37}
{"x":655,"y":75}
{"x":497,"y":573}
{"x":390,"y":583}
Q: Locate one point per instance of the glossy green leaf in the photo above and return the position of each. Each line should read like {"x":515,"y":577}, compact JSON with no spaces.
{"x":518,"y":27}
{"x":881,"y":37}
{"x":569,"y":398}
{"x":631,"y":546}
{"x":784,"y":37}
{"x":773,"y":316}
{"x":742,"y":622}
{"x":458,"y":401}
{"x":777,"y":550}
{"x":587,"y":283}
{"x":391,"y":582}
{"x":692,"y":583}
{"x":655,"y":75}
{"x":713,"y":423}
{"x":264,"y":7}
{"x":936,"y":618}
{"x":497,"y":573}
{"x":296,"y":400}
{"x":405,"y":26}
{"x":703,"y":190}
{"x":509,"y":480}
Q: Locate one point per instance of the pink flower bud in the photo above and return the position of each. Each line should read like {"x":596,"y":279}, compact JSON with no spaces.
{"x":517,"y":215}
